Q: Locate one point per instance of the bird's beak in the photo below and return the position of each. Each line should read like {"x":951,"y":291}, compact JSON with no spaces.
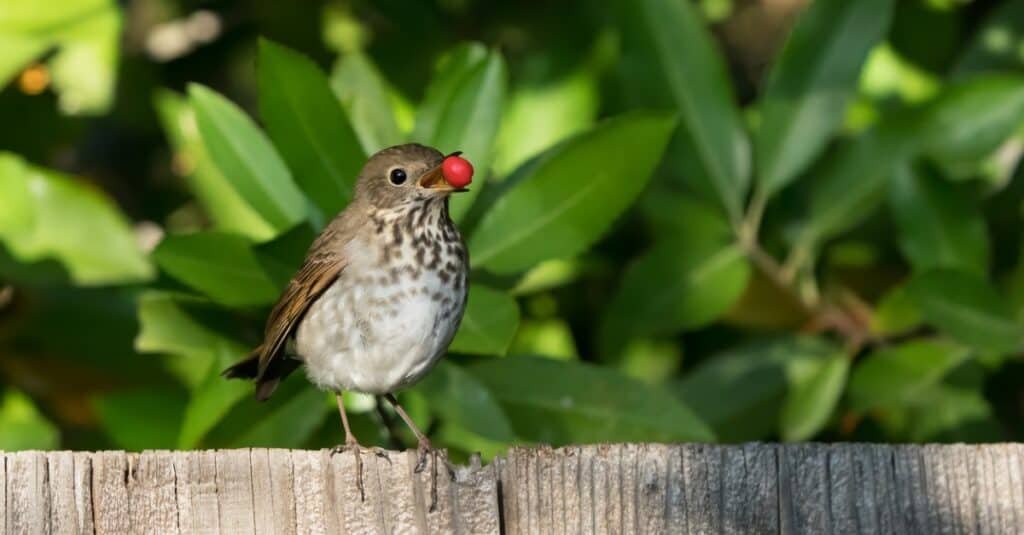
{"x":434,"y":180}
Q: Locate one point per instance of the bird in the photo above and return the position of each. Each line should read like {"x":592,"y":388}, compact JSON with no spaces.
{"x":380,"y":294}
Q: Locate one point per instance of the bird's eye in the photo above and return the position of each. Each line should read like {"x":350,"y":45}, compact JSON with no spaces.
{"x":397,"y":177}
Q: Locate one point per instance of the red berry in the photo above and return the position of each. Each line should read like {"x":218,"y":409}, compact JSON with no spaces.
{"x":457,"y":171}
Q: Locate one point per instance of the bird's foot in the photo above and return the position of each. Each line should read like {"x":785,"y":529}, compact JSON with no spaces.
{"x":356,"y":449}
{"x":425,"y":449}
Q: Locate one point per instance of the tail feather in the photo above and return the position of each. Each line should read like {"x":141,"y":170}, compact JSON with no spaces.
{"x":266,"y":383}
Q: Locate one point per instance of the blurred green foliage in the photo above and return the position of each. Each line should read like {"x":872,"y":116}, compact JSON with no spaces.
{"x":675,"y":236}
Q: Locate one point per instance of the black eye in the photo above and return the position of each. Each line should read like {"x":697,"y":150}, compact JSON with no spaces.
{"x":397,"y":176}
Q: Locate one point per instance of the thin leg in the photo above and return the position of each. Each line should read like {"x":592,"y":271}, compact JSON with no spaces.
{"x":351,"y":444}
{"x":424,"y":448}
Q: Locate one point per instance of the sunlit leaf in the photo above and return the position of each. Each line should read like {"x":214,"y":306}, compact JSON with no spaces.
{"x":461,"y":400}
{"x":25,"y":428}
{"x":968,"y":308}
{"x":552,"y":214}
{"x":811,"y":83}
{"x":969,"y":119}
{"x":211,"y":400}
{"x":564,"y":402}
{"x":86,"y":34}
{"x":245,"y":156}
{"x":221,"y":266}
{"x":810,"y":404}
{"x":461,"y":111}
{"x":670,"y":59}
{"x":47,"y":215}
{"x":364,"y":93}
{"x":309,"y":127}
{"x":490,"y":321}
{"x":895,"y":376}
{"x":940,"y":224}
{"x":740,"y":393}
{"x":896,"y":313}
{"x":218,"y":197}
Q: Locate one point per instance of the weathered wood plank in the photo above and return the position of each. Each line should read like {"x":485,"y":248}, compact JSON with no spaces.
{"x":632,"y":488}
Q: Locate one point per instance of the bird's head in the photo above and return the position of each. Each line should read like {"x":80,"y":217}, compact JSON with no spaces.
{"x":411,"y":173}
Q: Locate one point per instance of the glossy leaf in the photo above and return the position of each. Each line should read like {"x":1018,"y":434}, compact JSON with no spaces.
{"x":675,"y":286}
{"x":969,"y":119}
{"x":288,"y":425}
{"x":221,"y":266}
{"x":563,"y":402}
{"x":968,"y":309}
{"x":489,"y":323}
{"x":25,"y":428}
{"x":895,"y":376}
{"x":462,"y":400}
{"x":551,"y":214}
{"x":86,"y":35}
{"x":670,"y":59}
{"x":461,"y":111}
{"x":810,"y":404}
{"x":308,"y":125}
{"x":811,"y":83}
{"x":218,"y":197}
{"x":244,"y":155}
{"x":364,"y":92}
{"x":740,"y":393}
{"x":47,"y":215}
{"x":940,"y":224}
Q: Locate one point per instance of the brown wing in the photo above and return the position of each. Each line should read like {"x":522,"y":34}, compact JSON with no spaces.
{"x":307,"y":285}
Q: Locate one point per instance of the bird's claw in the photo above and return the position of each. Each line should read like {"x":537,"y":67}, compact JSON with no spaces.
{"x":351,"y":445}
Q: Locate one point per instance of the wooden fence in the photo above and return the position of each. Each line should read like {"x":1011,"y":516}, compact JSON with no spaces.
{"x":630,"y":488}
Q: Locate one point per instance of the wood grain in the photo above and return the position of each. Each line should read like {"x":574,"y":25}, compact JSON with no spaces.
{"x":614,"y":489}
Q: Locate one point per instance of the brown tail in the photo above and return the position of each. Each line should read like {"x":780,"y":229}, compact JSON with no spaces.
{"x":267,"y":382}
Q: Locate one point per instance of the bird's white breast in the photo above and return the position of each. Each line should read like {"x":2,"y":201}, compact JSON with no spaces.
{"x":387,"y":319}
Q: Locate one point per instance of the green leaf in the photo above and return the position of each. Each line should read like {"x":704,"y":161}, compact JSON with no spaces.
{"x":542,"y":113}
{"x":47,"y":215}
{"x":564,"y":402}
{"x":364,"y":92}
{"x":142,"y":419}
{"x":25,"y":428}
{"x":675,"y":286}
{"x":670,"y":58}
{"x":895,"y":314}
{"x":462,"y":110}
{"x":969,"y":119}
{"x":245,"y":156}
{"x":811,"y":83}
{"x":897,"y":375}
{"x":489,"y":323}
{"x":461,"y":400}
{"x":221,"y":266}
{"x":573,"y":196}
{"x":852,"y":183}
{"x":967,"y":308}
{"x":226,"y":208}
{"x":740,"y":393}
{"x":211,"y":400}
{"x":308,"y":125}
{"x":287,"y":426}
{"x":940,"y":224}
{"x":810,"y":404}
{"x":86,"y":34}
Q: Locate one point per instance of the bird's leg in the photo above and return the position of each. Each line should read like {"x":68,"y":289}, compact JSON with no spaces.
{"x":423,"y":448}
{"x":350,"y":444}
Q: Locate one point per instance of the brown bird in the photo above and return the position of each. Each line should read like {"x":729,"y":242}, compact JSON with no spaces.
{"x":381,"y":293}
